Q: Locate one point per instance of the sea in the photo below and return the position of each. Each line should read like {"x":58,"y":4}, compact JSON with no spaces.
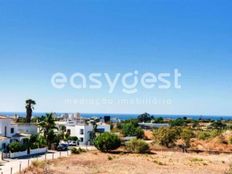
{"x":127,"y":116}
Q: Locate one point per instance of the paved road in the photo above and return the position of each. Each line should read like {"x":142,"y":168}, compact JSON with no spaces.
{"x":12,"y":166}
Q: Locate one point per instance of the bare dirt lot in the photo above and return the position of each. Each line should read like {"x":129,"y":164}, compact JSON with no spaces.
{"x":95,"y":162}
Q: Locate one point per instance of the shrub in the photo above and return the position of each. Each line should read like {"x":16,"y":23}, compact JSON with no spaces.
{"x":79,"y":150}
{"x":159,"y":163}
{"x":16,"y":147}
{"x":137,"y":146}
{"x":82,"y":150}
{"x":166,"y":136}
{"x":107,"y":142}
{"x":24,"y":147}
{"x":196,"y":160}
{"x":110,"y":158}
{"x":206,"y":135}
{"x":35,"y":146}
{"x":139,"y":132}
{"x":75,"y":151}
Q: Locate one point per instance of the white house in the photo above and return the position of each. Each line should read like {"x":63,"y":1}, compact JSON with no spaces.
{"x":10,"y":131}
{"x":7,"y":127}
{"x":27,"y":128}
{"x":80,"y":129}
{"x":82,"y":132}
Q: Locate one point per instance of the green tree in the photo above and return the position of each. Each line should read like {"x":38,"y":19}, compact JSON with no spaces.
{"x":135,"y":122}
{"x":178,"y":122}
{"x":186,"y":135}
{"x":34,"y":141}
{"x":29,"y":108}
{"x":166,"y":136}
{"x":218,"y":125}
{"x":145,"y":117}
{"x":158,"y":120}
{"x":106,"y":142}
{"x":129,"y":129}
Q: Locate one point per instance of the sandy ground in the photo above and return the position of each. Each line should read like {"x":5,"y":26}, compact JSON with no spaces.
{"x":95,"y":162}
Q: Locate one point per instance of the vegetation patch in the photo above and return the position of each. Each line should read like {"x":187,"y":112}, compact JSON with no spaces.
{"x":79,"y":150}
{"x":159,"y":163}
{"x":196,"y":160}
{"x":110,"y":158}
{"x":107,"y":142}
{"x":137,"y":146}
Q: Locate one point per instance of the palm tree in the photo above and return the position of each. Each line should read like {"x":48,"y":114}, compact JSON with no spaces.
{"x":47,"y":126}
{"x":29,"y":107}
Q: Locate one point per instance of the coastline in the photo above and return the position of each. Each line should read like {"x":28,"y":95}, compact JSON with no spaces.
{"x":128,"y":116}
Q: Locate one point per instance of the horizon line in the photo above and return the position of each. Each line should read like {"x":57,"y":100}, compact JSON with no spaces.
{"x":212,"y":115}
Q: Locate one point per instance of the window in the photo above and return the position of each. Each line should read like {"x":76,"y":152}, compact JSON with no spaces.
{"x":81,"y":131}
{"x":81,"y":139}
{"x":12,"y":130}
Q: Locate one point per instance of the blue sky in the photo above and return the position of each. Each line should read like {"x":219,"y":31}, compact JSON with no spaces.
{"x":40,"y":38}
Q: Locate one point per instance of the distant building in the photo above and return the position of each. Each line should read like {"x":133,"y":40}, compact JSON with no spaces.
{"x":153,"y":125}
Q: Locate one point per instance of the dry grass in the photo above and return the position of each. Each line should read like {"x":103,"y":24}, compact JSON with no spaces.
{"x":162,"y":162}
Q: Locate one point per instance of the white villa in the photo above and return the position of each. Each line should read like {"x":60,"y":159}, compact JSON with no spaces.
{"x":9,"y":131}
{"x":77,"y":127}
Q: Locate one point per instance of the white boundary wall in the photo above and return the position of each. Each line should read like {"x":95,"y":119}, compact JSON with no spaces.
{"x":32,"y":152}
{"x":38,"y":151}
{"x":18,"y":154}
